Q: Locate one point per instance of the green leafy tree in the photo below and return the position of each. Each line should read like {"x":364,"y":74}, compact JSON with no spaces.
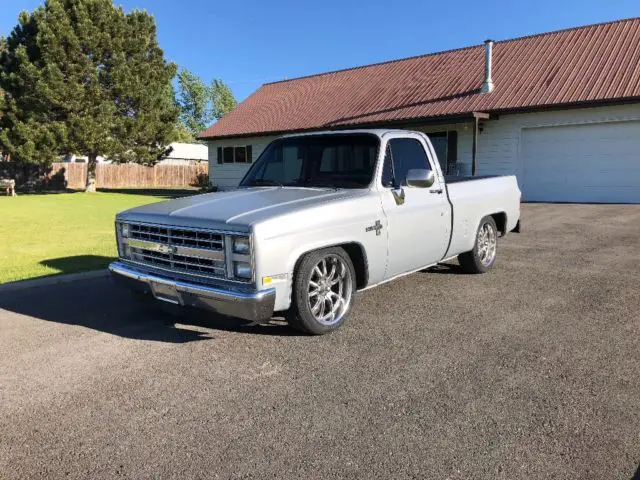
{"x":222,"y":99}
{"x":200,"y":104}
{"x":194,"y":99}
{"x":83,"y":77}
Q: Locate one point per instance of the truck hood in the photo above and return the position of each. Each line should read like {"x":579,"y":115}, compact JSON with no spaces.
{"x":235,"y":210}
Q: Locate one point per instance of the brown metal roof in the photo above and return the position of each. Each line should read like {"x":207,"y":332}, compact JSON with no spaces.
{"x":591,"y":64}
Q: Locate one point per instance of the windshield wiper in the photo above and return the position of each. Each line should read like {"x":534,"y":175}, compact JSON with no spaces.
{"x":321,"y":185}
{"x":264,"y":183}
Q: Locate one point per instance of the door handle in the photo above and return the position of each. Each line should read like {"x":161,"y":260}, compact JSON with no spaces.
{"x":437,"y":190}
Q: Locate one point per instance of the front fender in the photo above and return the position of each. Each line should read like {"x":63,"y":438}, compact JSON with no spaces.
{"x":277,"y":257}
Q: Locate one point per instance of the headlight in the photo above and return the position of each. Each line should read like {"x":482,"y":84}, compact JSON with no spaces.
{"x":242,"y":270}
{"x":241,"y":245}
{"x":122,"y":232}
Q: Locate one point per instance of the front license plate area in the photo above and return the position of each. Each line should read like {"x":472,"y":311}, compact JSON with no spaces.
{"x":166,"y":293}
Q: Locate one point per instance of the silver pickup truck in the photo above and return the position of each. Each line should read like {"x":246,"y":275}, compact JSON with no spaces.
{"x":316,"y":218}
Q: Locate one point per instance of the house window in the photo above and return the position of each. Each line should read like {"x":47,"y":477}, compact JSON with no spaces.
{"x":446,"y":146}
{"x":240,"y":154}
{"x":227,"y":155}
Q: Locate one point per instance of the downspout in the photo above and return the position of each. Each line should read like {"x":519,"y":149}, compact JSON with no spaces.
{"x":477,"y":117}
{"x":474,"y":147}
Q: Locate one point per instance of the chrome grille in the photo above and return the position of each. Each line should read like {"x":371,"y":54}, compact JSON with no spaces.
{"x":178,"y":249}
{"x":177,"y":236}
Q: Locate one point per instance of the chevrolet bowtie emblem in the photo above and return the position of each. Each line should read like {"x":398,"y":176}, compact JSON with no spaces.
{"x":376,"y":226}
{"x":152,"y":246}
{"x":166,"y":249}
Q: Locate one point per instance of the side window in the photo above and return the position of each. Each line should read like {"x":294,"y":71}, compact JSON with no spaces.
{"x":387,"y":170}
{"x":407,"y":154}
{"x":283,"y":165}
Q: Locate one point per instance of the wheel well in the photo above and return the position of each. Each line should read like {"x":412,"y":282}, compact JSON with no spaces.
{"x":501,"y":222}
{"x":358,"y":258}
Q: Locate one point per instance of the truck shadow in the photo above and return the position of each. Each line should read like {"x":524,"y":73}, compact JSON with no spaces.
{"x":100,"y":305}
{"x":446,"y":269}
{"x":77,"y":263}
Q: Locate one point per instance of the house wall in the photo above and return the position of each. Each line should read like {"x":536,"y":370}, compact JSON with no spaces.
{"x":227,"y":175}
{"x":498,"y":143}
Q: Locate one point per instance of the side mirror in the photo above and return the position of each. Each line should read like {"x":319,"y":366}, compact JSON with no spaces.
{"x":420,"y":178}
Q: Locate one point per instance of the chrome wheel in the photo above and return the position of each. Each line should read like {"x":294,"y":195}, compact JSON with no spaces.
{"x":486,"y":244}
{"x":330,"y":290}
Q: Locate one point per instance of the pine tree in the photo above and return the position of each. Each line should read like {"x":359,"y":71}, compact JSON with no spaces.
{"x":83,"y":77}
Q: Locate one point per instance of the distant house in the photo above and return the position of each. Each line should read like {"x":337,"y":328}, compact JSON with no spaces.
{"x":186,"y":152}
{"x":71,"y":158}
{"x":179,"y":153}
{"x":559,"y":110}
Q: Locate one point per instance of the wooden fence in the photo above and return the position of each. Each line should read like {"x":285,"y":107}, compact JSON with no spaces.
{"x":131,"y":175}
{"x":74,"y":173}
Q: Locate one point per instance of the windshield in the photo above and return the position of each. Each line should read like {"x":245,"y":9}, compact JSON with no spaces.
{"x":332,"y":161}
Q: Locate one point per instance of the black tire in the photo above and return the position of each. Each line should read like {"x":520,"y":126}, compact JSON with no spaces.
{"x":300,"y":315}
{"x":518,"y":227}
{"x":472,"y":261}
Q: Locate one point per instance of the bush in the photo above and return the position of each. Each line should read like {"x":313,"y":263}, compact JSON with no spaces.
{"x":202,"y":181}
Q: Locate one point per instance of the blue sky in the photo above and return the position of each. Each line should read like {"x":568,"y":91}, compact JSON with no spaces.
{"x":250,"y":42}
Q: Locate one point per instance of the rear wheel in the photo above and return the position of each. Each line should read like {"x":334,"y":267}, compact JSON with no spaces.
{"x":483,"y":255}
{"x":323,"y":290}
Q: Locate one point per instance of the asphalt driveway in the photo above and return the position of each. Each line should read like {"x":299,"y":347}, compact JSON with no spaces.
{"x":531,"y":371}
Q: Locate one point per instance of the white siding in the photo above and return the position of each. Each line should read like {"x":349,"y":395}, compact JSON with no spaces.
{"x":499,"y":144}
{"x":227,"y":175}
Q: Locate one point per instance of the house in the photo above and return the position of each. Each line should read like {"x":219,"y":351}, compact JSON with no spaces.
{"x":559,"y":110}
{"x":71,"y":158}
{"x":186,"y":152}
{"x":179,"y":153}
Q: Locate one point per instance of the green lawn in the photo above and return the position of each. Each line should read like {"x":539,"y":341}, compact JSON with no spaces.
{"x":61,"y":233}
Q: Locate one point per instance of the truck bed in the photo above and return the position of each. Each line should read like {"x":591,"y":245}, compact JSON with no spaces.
{"x":449,"y":179}
{"x":474,"y":197}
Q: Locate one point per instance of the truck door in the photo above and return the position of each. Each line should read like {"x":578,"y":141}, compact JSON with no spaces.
{"x":419,"y":219}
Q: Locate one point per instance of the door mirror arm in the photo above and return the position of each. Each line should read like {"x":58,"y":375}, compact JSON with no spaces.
{"x":398,"y":194}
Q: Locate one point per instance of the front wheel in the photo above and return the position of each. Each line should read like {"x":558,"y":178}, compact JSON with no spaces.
{"x":483,"y":255}
{"x":323,"y":289}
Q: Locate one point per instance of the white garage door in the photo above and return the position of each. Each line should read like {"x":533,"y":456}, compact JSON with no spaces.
{"x":582,"y":163}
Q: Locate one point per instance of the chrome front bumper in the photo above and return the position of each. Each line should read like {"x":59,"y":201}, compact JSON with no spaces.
{"x":255,"y":306}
